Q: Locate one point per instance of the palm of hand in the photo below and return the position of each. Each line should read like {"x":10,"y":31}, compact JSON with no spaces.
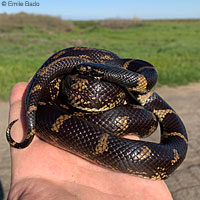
{"x":66,"y":175}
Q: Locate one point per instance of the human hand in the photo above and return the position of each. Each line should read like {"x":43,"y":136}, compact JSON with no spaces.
{"x":42,"y":171}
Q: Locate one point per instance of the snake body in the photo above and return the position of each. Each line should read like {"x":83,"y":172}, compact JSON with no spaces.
{"x":85,"y":100}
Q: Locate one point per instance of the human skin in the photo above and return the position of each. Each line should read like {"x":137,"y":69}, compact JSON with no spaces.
{"x":42,"y":171}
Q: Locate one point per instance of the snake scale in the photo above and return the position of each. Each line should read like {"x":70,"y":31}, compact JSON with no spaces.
{"x":85,"y":100}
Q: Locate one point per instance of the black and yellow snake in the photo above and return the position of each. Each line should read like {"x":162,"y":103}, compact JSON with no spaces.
{"x":85,"y":100}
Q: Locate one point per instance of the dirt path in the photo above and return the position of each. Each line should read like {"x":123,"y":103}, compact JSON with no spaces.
{"x":4,"y":152}
{"x":184,"y":183}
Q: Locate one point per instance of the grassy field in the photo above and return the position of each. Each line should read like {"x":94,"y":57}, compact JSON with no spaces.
{"x":27,"y":41}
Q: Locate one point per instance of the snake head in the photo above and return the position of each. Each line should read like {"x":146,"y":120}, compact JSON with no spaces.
{"x":95,"y":70}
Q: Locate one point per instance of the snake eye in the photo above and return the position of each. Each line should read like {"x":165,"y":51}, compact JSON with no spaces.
{"x":88,"y":67}
{"x":83,"y":67}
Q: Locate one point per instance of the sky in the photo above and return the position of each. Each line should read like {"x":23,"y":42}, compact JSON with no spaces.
{"x":104,"y":9}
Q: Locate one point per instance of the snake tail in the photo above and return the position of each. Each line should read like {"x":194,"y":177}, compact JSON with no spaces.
{"x":18,"y":145}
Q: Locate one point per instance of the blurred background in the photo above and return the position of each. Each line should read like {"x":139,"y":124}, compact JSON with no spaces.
{"x":165,"y":33}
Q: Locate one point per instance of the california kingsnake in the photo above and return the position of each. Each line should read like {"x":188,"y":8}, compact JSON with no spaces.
{"x":84,"y":100}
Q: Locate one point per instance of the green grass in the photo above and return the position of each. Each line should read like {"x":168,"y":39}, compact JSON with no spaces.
{"x":172,"y":46}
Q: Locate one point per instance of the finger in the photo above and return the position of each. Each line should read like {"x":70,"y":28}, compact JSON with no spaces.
{"x":17,"y":110}
{"x":18,"y":92}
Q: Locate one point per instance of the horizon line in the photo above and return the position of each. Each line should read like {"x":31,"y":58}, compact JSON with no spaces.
{"x":108,"y":18}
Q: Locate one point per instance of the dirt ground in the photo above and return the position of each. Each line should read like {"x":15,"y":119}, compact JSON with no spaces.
{"x":184,"y":183}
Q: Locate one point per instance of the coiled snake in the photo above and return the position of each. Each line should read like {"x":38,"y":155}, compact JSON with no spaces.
{"x":84,"y":100}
